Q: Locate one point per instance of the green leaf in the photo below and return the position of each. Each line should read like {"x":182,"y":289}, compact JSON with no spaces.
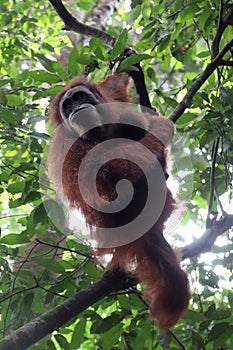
{"x":45,"y":77}
{"x":5,"y":82}
{"x":220,"y":332}
{"x":186,"y":118}
{"x":40,"y":214}
{"x":164,"y":43}
{"x":230,"y":298}
{"x":103,"y":325}
{"x":134,"y":13}
{"x":62,"y":341}
{"x":45,"y":62}
{"x":85,"y":59}
{"x":144,"y":332}
{"x":52,"y":265}
{"x":204,"y":54}
{"x":53,"y":90}
{"x":73,"y":66}
{"x":50,"y":345}
{"x":60,"y":70}
{"x":136,"y":2}
{"x":48,"y":47}
{"x":86,"y":5}
{"x":214,"y":314}
{"x":78,"y":334}
{"x":208,"y":137}
{"x":224,"y":336}
{"x":146,"y":10}
{"x":14,"y":100}
{"x":134,"y":59}
{"x":14,"y":238}
{"x":197,"y":341}
{"x":110,"y":338}
{"x":189,"y":11}
{"x":98,"y":48}
{"x":119,"y":45}
{"x":32,"y":196}
{"x":26,"y":305}
{"x":16,"y":187}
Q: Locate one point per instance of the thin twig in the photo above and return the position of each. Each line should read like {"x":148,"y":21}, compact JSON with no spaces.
{"x":13,"y":286}
{"x":49,"y":290}
{"x":17,"y":293}
{"x":212,"y":179}
{"x":177,"y":340}
{"x":201,"y":33}
{"x":64,"y":248}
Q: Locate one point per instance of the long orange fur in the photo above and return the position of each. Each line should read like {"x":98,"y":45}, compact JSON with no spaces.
{"x":150,"y":257}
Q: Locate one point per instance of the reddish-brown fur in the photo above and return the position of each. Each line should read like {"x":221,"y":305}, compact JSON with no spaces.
{"x":150,"y":257}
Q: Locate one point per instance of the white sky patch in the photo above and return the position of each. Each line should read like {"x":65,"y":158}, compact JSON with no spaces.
{"x":41,"y":127}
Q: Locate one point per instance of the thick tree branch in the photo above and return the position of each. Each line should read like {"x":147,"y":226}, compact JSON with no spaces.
{"x":187,"y":100}
{"x":226,"y":63}
{"x":72,"y":24}
{"x":40,"y":327}
{"x":139,"y":82}
{"x":206,"y":241}
{"x":223,"y":22}
{"x":217,"y":58}
{"x":111,"y":281}
{"x":219,"y":32}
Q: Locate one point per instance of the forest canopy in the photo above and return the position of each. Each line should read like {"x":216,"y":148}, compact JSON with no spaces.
{"x":185,"y":49}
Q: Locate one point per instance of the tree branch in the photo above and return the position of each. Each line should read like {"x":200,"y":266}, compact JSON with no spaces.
{"x":220,"y":29}
{"x":72,"y":24}
{"x":57,"y":246}
{"x":222,"y":24}
{"x":113,"y":281}
{"x":206,"y":241}
{"x":187,"y":100}
{"x":212,"y":180}
{"x":226,"y":63}
{"x":40,"y":327}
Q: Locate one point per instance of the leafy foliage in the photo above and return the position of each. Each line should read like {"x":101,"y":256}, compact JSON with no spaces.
{"x":173,"y":39}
